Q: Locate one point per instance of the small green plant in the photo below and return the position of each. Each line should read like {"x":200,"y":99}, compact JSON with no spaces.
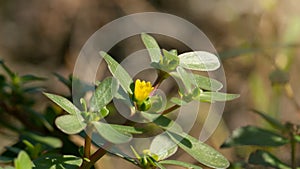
{"x":282,"y":135}
{"x":265,"y":139}
{"x":141,"y":99}
{"x":37,"y":136}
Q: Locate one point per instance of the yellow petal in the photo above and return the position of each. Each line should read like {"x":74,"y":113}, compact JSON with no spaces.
{"x":142,"y":90}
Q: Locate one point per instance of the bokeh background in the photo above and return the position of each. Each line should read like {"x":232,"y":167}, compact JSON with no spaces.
{"x":253,"y":38}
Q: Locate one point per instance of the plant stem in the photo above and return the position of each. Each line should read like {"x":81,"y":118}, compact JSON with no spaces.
{"x":88,"y":142}
{"x":293,"y":151}
{"x":170,"y":109}
{"x":160,"y":78}
{"x":87,"y":147}
{"x":97,"y":155}
{"x":93,"y":159}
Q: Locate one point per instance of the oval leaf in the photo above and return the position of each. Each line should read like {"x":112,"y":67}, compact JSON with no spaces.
{"x":180,"y":163}
{"x":23,"y":161}
{"x":152,"y":47}
{"x":167,"y":124}
{"x":126,"y":129}
{"x":70,"y":124}
{"x":169,"y":61}
{"x":163,"y":146}
{"x":216,"y":96}
{"x":63,"y":103}
{"x":55,"y":161}
{"x":203,"y":153}
{"x":110,"y":134}
{"x":178,"y":101}
{"x":104,"y":93}
{"x":199,"y":60}
{"x":266,"y":159}
{"x":251,"y":135}
{"x":118,"y":72}
{"x":206,"y":83}
{"x":30,"y":78}
{"x":46,"y":140}
{"x":187,"y":79}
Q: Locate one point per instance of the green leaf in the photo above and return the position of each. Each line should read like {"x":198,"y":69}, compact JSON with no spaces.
{"x":180,"y":163}
{"x":136,"y":154}
{"x":118,"y":72}
{"x":157,"y":104}
{"x":7,"y":70}
{"x":178,"y":101}
{"x":251,"y":135}
{"x":104,"y":93}
{"x":126,"y":129}
{"x":103,"y":112}
{"x":266,"y":159}
{"x":274,"y":122}
{"x":174,"y":52}
{"x":157,"y":164}
{"x":4,"y":159}
{"x":163,"y":146}
{"x":110,"y":134}
{"x":297,"y":138}
{"x":14,"y":150}
{"x":169,"y":61}
{"x":202,"y":152}
{"x":23,"y":161}
{"x":30,"y":78}
{"x":152,"y":47}
{"x":187,"y":79}
{"x":167,"y":124}
{"x":34,"y":89}
{"x":63,"y":103}
{"x":123,"y":97}
{"x":216,"y":96}
{"x":199,"y":60}
{"x":56,"y":161}
{"x":47,"y":140}
{"x":33,"y":150}
{"x":65,"y":81}
{"x":70,"y":124}
{"x":206,"y":83}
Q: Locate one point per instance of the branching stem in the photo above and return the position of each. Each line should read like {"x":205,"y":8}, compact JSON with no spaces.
{"x":88,"y":159}
{"x":169,"y":110}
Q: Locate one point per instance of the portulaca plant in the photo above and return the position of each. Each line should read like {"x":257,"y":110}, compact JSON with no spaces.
{"x":140,"y":97}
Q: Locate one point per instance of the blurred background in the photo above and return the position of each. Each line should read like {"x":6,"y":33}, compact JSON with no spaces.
{"x":253,"y":38}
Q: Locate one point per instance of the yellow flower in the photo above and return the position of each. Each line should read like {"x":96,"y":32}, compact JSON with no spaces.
{"x":142,"y":90}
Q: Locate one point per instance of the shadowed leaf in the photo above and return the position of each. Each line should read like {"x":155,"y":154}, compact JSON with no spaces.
{"x":55,"y":161}
{"x":251,"y":135}
{"x":266,"y":159}
{"x":110,"y":134}
{"x":275,"y":123}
